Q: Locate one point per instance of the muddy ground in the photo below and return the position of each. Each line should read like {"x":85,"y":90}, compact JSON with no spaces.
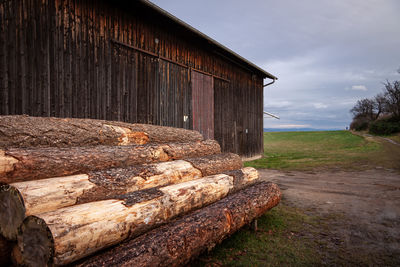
{"x":359,"y":211}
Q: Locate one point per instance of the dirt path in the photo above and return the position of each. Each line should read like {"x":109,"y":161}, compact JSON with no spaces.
{"x":361,"y":208}
{"x":380,"y":137}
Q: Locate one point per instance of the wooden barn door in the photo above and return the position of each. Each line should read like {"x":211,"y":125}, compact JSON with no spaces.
{"x":203,"y":104}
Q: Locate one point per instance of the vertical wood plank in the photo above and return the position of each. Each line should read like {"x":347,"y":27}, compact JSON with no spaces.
{"x":4,"y":107}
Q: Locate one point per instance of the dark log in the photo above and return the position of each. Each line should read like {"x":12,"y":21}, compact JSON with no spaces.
{"x":220,"y":163}
{"x":25,"y":131}
{"x":18,"y":164}
{"x":195,"y":149}
{"x":12,"y":211}
{"x":5,"y":251}
{"x":182,"y":240}
{"x":81,"y":230}
{"x":19,"y":200}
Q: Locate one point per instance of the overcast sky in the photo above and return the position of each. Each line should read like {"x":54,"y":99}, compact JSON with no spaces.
{"x":327,"y":54}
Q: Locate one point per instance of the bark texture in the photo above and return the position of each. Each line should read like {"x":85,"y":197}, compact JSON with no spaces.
{"x":19,"y":200}
{"x":180,"y":241}
{"x":216,"y":163}
{"x":194,"y":149}
{"x":243,"y":178}
{"x":18,"y":164}
{"x":5,"y":251}
{"x":26,"y":131}
{"x":81,"y":230}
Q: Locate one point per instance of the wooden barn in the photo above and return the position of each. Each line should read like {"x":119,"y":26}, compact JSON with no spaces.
{"x":127,"y":61}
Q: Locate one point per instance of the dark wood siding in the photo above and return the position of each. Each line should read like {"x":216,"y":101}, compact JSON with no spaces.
{"x":98,"y":59}
{"x":174,"y":107}
{"x":225,"y":117}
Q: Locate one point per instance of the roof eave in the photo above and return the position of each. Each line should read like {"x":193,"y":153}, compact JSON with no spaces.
{"x":209,"y":39}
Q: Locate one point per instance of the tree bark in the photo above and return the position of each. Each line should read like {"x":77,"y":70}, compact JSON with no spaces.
{"x":5,"y":251}
{"x":18,"y":165}
{"x":19,"y":200}
{"x":68,"y":234}
{"x":25,"y":131}
{"x":217,"y":163}
{"x":182,"y":240}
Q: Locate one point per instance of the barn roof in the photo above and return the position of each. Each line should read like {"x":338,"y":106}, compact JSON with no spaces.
{"x":227,"y":51}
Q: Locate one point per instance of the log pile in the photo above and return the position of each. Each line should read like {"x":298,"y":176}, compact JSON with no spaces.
{"x":70,"y":188}
{"x":185,"y":238}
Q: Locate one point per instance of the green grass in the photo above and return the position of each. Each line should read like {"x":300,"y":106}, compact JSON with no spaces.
{"x":278,"y":242}
{"x":289,"y":236}
{"x":308,"y":150}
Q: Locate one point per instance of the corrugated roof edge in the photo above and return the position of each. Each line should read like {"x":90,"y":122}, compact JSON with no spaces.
{"x":199,"y":33}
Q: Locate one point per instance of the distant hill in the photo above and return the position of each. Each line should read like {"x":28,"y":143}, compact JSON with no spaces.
{"x":297,"y":129}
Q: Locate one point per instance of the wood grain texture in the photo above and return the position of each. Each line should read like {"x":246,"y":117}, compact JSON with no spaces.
{"x":81,"y":230}
{"x":20,"y":164}
{"x":182,"y":240}
{"x":6,"y":163}
{"x":39,"y":196}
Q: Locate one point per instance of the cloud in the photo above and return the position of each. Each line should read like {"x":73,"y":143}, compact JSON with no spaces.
{"x":326,"y":54}
{"x":359,"y":88}
{"x":320,"y":106}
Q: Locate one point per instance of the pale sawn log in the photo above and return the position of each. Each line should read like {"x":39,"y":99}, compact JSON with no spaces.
{"x":81,"y":230}
{"x":19,"y":200}
{"x":18,"y":164}
{"x":182,"y":240}
{"x":25,"y":131}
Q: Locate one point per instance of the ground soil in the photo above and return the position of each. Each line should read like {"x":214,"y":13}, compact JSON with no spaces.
{"x":359,"y":211}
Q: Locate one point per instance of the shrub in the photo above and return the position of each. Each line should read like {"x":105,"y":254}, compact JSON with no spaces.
{"x":385,"y":126}
{"x":360,"y":124}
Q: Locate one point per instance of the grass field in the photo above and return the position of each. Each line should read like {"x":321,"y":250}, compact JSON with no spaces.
{"x":288,"y":236}
{"x":310,"y":150}
{"x":277,"y":242}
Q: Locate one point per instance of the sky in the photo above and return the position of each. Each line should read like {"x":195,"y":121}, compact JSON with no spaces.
{"x":326,"y":54}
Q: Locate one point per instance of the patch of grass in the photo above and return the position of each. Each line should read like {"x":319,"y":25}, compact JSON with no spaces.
{"x":279,"y":241}
{"x":308,"y":150}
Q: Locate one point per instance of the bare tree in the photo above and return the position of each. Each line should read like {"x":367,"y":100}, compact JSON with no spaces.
{"x":368,"y":110}
{"x":380,"y":104}
{"x":364,"y":108}
{"x":392,"y":95}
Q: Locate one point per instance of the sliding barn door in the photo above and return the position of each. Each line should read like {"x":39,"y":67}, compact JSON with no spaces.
{"x":203,"y":104}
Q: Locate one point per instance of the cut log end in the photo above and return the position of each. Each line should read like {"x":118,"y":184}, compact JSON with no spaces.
{"x":12,"y":211}
{"x":6,"y":163}
{"x":35,"y":243}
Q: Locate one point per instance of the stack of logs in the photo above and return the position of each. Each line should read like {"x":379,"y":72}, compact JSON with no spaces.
{"x":100,"y":193}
